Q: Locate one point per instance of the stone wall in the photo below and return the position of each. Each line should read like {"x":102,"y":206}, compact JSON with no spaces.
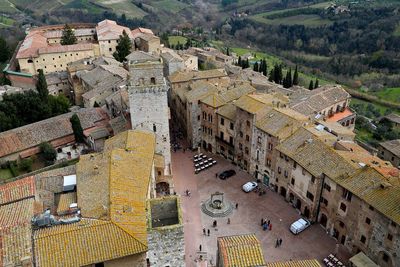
{"x":166,"y":247}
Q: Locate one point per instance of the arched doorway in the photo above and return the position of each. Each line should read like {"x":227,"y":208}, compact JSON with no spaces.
{"x":209,"y":147}
{"x":291,"y":197}
{"x":384,"y":259}
{"x":162,"y":188}
{"x":298,"y":204}
{"x":204,"y":144}
{"x":283,"y":191}
{"x":306,"y":212}
{"x":323,"y":220}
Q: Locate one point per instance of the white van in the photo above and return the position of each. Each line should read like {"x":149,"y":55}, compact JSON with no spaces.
{"x":299,"y":225}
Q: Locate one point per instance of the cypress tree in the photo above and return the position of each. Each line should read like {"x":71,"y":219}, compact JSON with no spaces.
{"x":296,"y":77}
{"x":316,"y":83}
{"x":4,"y":50}
{"x":227,"y":51}
{"x":271,"y":77}
{"x":265,"y":68}
{"x":68,"y":37}
{"x":311,"y":85}
{"x":255,"y":66}
{"x":280,"y":74}
{"x":288,"y":79}
{"x":239,"y":61}
{"x":123,"y":48}
{"x":77,"y":128}
{"x":276,"y":74}
{"x":41,"y":86}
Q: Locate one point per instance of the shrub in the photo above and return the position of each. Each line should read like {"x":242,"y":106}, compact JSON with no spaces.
{"x":25,"y":165}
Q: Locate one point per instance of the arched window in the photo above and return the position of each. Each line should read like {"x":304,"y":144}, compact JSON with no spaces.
{"x":30,"y":61}
{"x":154,"y":128}
{"x":153,"y":80}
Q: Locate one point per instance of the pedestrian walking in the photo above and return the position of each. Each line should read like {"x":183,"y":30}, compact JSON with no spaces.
{"x":208,"y":232}
{"x":200,"y":247}
{"x":277,"y":243}
{"x":215,"y":223}
{"x":204,"y":231}
{"x":216,"y":175}
{"x":270,"y":226}
{"x":237,"y":205}
{"x":265,"y":226}
{"x":269,"y":222}
{"x":262,"y":221}
{"x":280,"y":241}
{"x":229,"y":221}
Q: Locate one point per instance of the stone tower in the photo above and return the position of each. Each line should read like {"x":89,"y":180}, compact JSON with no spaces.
{"x":148,"y":100}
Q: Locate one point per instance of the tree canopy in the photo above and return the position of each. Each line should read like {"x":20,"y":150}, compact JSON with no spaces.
{"x":68,"y":37}
{"x":4,"y":50}
{"x":41,"y":86}
{"x":123,"y":48}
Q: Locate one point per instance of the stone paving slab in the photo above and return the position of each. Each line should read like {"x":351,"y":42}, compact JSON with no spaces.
{"x":310,"y":244}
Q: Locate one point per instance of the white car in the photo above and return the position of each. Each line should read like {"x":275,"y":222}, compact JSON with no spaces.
{"x":249,"y":186}
{"x":299,"y":225}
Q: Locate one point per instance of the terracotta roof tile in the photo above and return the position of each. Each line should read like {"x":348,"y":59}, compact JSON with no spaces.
{"x":31,"y":135}
{"x":110,"y":30}
{"x":240,"y":251}
{"x":83,"y":243}
{"x":66,"y":199}
{"x":17,"y":190}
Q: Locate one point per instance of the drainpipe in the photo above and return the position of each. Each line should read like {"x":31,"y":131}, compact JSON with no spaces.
{"x":319,"y":197}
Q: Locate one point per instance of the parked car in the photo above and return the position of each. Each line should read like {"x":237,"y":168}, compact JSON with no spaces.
{"x":249,"y":186}
{"x":299,"y":226}
{"x":226,"y":174}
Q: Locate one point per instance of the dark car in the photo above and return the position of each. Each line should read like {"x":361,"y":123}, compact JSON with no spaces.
{"x":226,"y":174}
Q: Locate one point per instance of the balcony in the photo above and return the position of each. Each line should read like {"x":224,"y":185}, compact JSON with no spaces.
{"x":219,"y":139}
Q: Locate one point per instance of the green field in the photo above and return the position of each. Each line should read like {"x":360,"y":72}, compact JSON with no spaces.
{"x":173,"y":6}
{"x":5,"y":174}
{"x":6,"y":22}
{"x":389,"y":94}
{"x":382,"y":109}
{"x":173,"y":40}
{"x":7,"y":7}
{"x":300,"y":19}
{"x":126,"y":7}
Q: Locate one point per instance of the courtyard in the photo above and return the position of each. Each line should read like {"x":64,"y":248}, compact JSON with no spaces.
{"x":313,"y":243}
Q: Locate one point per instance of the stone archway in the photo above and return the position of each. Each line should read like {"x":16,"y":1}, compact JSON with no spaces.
{"x":385,"y":259}
{"x":323,"y":220}
{"x":162,"y":188}
{"x":283,"y":191}
{"x":298,"y":204}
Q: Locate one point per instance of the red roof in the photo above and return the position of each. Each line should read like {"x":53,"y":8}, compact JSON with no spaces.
{"x":17,"y":190}
{"x":341,"y":115}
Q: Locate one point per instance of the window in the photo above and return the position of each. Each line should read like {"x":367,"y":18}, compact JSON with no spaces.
{"x":241,"y":134}
{"x":279,"y":170}
{"x":231,"y":140}
{"x":268,"y":162}
{"x":240,"y":146}
{"x":281,"y":155}
{"x":198,"y":117}
{"x":246,"y":150}
{"x":270,"y":146}
{"x":30,"y":61}
{"x":367,"y":220}
{"x":222,"y":121}
{"x":363,"y":239}
{"x":286,"y":158}
{"x":231,"y":126}
{"x":248,"y":123}
{"x":310,"y":196}
{"x":313,"y":179}
{"x":392,"y":223}
{"x":221,"y":135}
{"x":153,"y":80}
{"x":259,"y":139}
{"x":222,"y":148}
{"x":343,"y":207}
{"x":371,"y":208}
{"x":110,"y":49}
{"x":324,"y":200}
{"x":347,"y":194}
{"x":292,"y":181}
{"x":109,"y":41}
{"x":327,"y":187}
{"x":294,"y":164}
{"x":286,"y":173}
{"x":385,"y":257}
{"x":389,"y":237}
{"x":247,"y":138}
{"x":341,"y":224}
{"x":154,"y":128}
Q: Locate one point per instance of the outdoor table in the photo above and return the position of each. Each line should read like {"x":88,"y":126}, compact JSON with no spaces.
{"x":201,"y":154}
{"x":202,"y":168}
{"x":214,"y":162}
{"x":197,"y":165}
{"x":201,"y":162}
{"x":204,"y":156}
{"x":196,"y":156}
{"x":210,"y":159}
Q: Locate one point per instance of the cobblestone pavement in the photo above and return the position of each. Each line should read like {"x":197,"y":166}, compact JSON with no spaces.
{"x":310,"y":244}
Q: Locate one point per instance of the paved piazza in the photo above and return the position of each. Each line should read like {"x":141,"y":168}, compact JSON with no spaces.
{"x":312,"y":243}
